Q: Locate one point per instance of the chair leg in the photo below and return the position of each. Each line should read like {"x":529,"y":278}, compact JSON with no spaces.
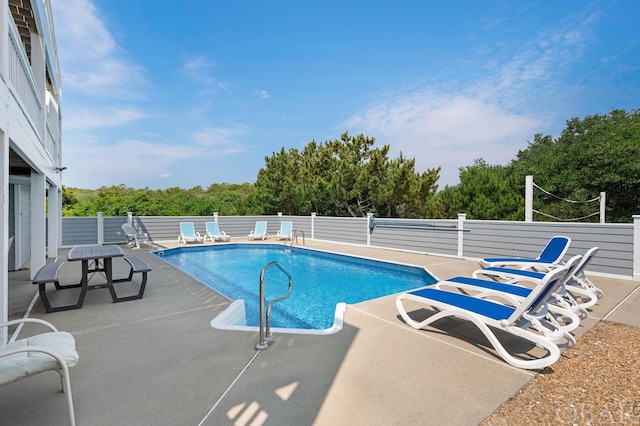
{"x":64,"y":390}
{"x":67,"y":389}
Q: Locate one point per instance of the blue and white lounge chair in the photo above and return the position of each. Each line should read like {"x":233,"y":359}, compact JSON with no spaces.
{"x":562,"y":306}
{"x":188,"y":233}
{"x":580,"y":279}
{"x":260,"y":231}
{"x":214,"y":233}
{"x":286,"y":230}
{"x":523,"y":321}
{"x":550,"y":257}
{"x":585,"y":293}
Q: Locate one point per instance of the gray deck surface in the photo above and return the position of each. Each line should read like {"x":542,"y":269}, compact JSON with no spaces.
{"x":157,"y":361}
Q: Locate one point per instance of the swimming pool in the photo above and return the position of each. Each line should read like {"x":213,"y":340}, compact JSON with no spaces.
{"x":322,"y":282}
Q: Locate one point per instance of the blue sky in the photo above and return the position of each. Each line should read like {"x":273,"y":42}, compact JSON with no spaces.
{"x":162,"y":94}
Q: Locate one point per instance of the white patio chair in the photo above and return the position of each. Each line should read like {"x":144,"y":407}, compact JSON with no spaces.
{"x":53,"y":350}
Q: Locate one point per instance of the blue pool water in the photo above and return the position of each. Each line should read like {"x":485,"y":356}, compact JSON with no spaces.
{"x":320,"y":279}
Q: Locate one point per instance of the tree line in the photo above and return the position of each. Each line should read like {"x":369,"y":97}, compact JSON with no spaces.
{"x":349,"y":176}
{"x":226,"y":198}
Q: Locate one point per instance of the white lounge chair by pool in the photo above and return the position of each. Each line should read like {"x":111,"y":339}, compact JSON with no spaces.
{"x":550,"y":257}
{"x":579,"y":285}
{"x":286,"y":230}
{"x":260,"y":231}
{"x":214,"y":233}
{"x":561,"y":305}
{"x":134,"y":238}
{"x":188,"y":233}
{"x":523,"y":321}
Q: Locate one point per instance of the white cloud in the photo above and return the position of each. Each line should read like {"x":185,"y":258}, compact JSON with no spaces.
{"x":139,"y":163}
{"x":445,"y":130}
{"x":102,"y":117}
{"x":127,"y":161}
{"x":199,"y":68}
{"x":145,"y":160}
{"x":91,"y":60}
{"x":221,"y":141}
{"x":504,"y":104}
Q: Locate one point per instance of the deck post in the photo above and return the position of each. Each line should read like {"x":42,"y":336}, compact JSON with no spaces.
{"x":37,"y":215}
{"x":53,"y":213}
{"x":4,"y":214}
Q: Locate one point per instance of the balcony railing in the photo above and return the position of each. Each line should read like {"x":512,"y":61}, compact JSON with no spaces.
{"x":23,"y":84}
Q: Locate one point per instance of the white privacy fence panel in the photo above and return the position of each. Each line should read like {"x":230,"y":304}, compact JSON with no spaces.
{"x":424,"y":236}
{"x":526,"y":239}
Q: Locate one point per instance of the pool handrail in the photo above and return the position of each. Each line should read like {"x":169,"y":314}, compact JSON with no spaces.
{"x":294,"y":238}
{"x":265,"y":329}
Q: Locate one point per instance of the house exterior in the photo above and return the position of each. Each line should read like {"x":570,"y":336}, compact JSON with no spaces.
{"x":30,"y":139}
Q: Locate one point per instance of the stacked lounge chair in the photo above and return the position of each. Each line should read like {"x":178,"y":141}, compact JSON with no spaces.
{"x":527,"y":298}
{"x":550,"y":257}
{"x":580,"y":292}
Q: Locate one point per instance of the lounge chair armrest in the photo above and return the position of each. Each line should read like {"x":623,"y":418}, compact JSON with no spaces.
{"x":525,"y":280}
{"x":498,"y":295}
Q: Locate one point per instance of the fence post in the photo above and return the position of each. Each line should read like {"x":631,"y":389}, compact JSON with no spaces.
{"x":100,"y":229}
{"x":130,"y":218}
{"x":369,"y":221}
{"x":636,"y":247}
{"x":528,"y":198}
{"x":313,"y":228}
{"x":215,"y":216}
{"x":461,"y":218}
{"x":603,"y":204}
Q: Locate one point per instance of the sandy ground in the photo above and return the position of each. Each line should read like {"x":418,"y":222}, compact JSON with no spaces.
{"x":595,"y":383}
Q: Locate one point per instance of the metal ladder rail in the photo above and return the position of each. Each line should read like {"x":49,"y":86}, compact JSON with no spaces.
{"x":294,"y":237}
{"x":265,"y":329}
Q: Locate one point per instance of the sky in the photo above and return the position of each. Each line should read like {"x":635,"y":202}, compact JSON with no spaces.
{"x":161,"y":94}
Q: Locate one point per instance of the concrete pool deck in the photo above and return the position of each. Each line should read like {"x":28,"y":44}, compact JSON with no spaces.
{"x":158,"y":361}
